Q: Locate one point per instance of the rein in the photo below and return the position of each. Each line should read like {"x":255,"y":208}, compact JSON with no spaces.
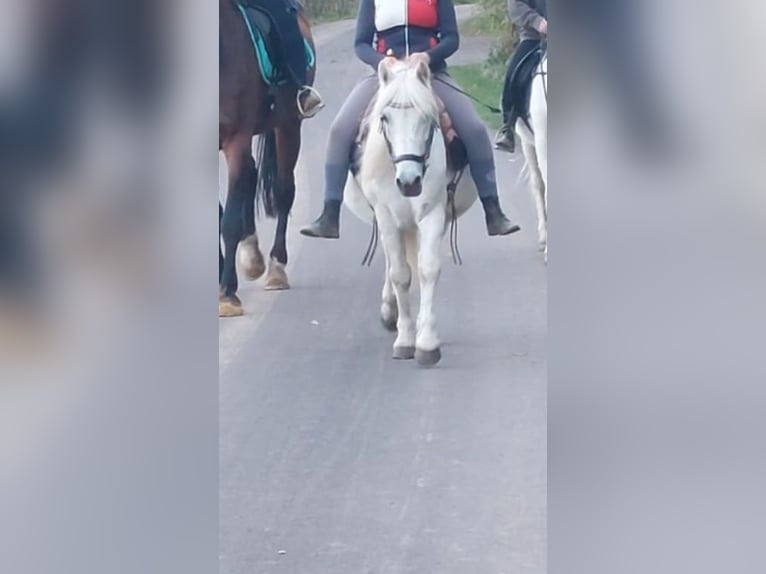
{"x":491,"y":109}
{"x":457,"y":259}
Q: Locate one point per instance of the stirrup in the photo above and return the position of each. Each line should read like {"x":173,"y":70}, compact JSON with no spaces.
{"x":311,"y":113}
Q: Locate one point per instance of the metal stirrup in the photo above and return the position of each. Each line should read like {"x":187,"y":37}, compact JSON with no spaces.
{"x":310,"y":90}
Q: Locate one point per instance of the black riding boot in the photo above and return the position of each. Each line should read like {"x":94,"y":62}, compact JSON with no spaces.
{"x":504,"y":139}
{"x":497,"y":222}
{"x":327,"y":225}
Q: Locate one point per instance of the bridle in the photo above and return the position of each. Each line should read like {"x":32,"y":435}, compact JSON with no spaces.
{"x":397,"y":159}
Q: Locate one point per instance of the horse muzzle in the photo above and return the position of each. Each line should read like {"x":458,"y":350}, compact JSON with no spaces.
{"x":411,"y":188}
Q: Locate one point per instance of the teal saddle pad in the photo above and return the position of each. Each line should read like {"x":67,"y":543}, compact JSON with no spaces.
{"x":263,"y":37}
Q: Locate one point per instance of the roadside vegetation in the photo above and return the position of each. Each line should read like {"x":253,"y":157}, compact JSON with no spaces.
{"x":485,"y":80}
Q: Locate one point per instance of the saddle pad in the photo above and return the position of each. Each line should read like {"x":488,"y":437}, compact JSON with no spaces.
{"x":521,"y":82}
{"x":261,"y":30}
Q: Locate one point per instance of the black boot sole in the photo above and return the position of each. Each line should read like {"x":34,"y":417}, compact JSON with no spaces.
{"x":512,"y":229}
{"x":319,"y":235}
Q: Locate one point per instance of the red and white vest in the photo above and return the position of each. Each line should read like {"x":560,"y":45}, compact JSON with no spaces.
{"x":392,"y":13}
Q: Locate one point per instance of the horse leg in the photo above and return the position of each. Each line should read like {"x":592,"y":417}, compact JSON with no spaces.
{"x":431,"y":228}
{"x":220,"y":253}
{"x":249,"y":254}
{"x":538,"y":110}
{"x":388,"y":310}
{"x":241,"y":170}
{"x":538,"y":190}
{"x":541,"y":148}
{"x":401,"y":278}
{"x":288,"y":140}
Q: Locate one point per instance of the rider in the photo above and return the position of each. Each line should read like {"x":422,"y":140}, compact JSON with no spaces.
{"x":285,"y":16}
{"x":424,"y":29}
{"x":530,"y":17}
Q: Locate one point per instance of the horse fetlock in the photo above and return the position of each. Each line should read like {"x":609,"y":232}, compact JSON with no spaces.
{"x":405,"y":329}
{"x":250,"y":258}
{"x":542,"y":236}
{"x":427,"y":338}
{"x":389,"y":315}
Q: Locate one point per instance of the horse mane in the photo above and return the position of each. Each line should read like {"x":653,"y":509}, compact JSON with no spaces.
{"x":405,"y":89}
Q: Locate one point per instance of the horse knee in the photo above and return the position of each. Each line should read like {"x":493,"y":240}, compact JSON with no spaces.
{"x":401,"y":276}
{"x":429,"y":272}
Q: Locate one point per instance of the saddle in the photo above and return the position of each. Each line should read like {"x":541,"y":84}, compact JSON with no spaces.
{"x":521,"y":83}
{"x":457,"y":155}
{"x":265,"y":21}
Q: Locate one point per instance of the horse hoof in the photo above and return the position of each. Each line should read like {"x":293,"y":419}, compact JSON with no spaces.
{"x":388,"y":324}
{"x":250,"y":258}
{"x":428,"y":358}
{"x":229,"y":306}
{"x":404,"y":353}
{"x":276,"y":278}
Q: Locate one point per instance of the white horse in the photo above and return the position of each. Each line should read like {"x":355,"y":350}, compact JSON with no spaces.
{"x":402,"y":185}
{"x":534,"y":144}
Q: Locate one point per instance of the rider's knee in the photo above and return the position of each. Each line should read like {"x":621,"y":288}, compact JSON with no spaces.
{"x":474,"y":134}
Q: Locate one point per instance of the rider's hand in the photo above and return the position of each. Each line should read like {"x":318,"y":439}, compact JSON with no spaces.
{"x":542,"y":26}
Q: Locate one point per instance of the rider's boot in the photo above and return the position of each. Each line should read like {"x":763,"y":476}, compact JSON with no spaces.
{"x":497,"y":222}
{"x":309,"y":102}
{"x":327,"y":225}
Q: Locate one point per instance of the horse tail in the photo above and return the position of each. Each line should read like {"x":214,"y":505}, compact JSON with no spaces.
{"x":411,"y":251}
{"x":266,"y":164}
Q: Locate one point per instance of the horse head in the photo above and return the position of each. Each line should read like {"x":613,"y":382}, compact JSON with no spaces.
{"x":407,"y":115}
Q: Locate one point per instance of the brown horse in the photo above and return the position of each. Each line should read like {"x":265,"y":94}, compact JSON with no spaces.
{"x":249,"y":107}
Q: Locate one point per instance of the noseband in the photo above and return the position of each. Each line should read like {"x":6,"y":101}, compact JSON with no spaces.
{"x":421,"y":159}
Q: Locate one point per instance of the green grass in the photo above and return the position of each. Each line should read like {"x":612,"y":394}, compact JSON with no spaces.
{"x":332,"y":15}
{"x":485,"y":83}
{"x":484,"y":24}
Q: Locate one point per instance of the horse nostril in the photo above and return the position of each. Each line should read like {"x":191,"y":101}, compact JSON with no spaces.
{"x":417,"y":181}
{"x":399,"y":183}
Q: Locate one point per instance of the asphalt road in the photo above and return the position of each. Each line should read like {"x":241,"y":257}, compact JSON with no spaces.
{"x":336,"y":459}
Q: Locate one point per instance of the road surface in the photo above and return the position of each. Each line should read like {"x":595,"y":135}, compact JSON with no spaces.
{"x":336,"y":459}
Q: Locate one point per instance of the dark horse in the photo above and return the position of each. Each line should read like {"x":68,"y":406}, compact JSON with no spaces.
{"x":249,"y":107}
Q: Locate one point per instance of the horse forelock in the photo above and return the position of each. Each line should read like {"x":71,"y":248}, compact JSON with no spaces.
{"x":405,"y":90}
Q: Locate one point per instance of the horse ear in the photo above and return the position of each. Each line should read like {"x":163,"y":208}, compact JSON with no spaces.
{"x":384,"y":72}
{"x":423,"y":72}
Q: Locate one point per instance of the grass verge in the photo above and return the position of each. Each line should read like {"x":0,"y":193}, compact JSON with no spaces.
{"x":483,"y":24}
{"x":331,"y":15}
{"x":485,"y":83}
